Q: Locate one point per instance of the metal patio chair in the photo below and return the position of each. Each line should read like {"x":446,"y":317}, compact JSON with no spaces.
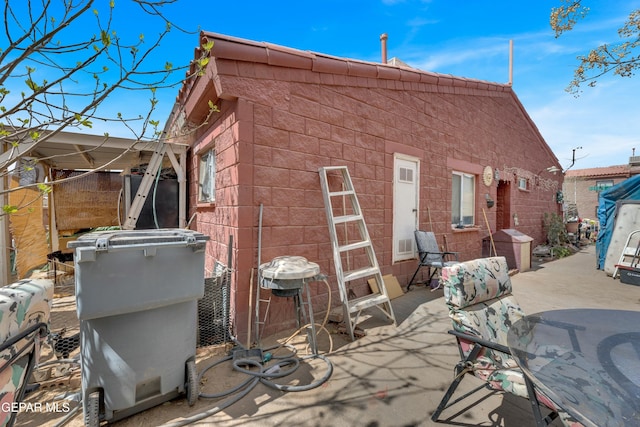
{"x":482,"y":308}
{"x":430,"y":256}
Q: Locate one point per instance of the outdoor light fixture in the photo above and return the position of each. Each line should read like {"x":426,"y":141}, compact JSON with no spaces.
{"x":553,"y":169}
{"x":490,"y":201}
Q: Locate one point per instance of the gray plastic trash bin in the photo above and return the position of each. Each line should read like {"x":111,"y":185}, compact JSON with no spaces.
{"x":137,"y":293}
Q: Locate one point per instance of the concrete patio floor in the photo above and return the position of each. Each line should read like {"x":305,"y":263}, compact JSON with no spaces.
{"x":396,"y":376}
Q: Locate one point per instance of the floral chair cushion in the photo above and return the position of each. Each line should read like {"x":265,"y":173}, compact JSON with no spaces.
{"x":486,"y":320}
{"x":476,"y":281}
{"x":22,"y":305}
{"x":478,"y":295}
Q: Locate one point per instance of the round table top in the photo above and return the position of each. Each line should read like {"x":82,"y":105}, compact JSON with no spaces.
{"x":289,"y":268}
{"x":586,"y":360}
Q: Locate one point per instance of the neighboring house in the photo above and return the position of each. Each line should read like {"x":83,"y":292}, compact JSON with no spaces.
{"x":582,"y":187}
{"x":424,"y":150}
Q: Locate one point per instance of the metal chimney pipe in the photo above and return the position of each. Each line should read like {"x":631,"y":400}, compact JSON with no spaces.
{"x":510,"y":62}
{"x":383,"y":43}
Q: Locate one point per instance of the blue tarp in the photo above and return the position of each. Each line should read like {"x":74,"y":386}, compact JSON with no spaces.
{"x":628,"y":189}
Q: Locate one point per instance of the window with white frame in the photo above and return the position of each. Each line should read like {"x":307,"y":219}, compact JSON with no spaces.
{"x":207,"y":177}
{"x":602,"y":185}
{"x":523,"y":183}
{"x":463,"y":190}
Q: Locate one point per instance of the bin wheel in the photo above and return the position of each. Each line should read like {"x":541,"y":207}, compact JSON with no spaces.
{"x":193,"y":391}
{"x":92,"y":410}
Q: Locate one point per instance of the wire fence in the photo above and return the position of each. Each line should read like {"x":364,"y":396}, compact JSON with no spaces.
{"x":214,"y":319}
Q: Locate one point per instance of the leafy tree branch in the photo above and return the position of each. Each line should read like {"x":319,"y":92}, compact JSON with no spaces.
{"x":56,"y":75}
{"x":621,"y":58}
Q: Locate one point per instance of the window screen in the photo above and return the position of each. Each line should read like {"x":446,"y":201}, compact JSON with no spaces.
{"x":463,"y":199}
{"x":207,"y":177}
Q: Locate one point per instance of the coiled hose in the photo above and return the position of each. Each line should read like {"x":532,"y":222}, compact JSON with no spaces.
{"x":263,"y":375}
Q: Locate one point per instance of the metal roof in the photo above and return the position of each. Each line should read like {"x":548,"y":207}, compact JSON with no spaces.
{"x":67,"y":150}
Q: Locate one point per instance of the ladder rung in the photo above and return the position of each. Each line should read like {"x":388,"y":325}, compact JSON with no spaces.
{"x":367,"y":301}
{"x":347,"y":218}
{"x":342,"y":193}
{"x":334,"y":168}
{"x":355,"y":245}
{"x":360,"y":273}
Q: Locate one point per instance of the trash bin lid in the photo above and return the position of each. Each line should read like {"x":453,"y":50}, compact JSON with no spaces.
{"x":289,"y":268}
{"x":510,"y":235}
{"x":123,"y":238}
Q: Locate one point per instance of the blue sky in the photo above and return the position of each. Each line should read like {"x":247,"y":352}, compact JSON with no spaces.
{"x":462,"y":38}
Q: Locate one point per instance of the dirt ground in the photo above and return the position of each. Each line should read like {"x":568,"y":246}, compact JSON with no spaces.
{"x":56,"y":401}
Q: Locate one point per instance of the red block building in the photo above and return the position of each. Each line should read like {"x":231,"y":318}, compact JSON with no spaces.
{"x":425,"y":150}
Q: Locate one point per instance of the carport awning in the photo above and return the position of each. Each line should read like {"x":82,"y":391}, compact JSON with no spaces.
{"x":73,"y":151}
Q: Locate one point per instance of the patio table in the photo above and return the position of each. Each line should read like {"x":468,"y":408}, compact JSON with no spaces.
{"x":587,"y":361}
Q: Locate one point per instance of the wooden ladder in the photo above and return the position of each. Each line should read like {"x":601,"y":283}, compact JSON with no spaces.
{"x":343,"y":209}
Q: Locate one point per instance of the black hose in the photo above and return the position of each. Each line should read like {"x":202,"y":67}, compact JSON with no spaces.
{"x":253,"y":377}
{"x":226,"y":392}
{"x":306,"y":387}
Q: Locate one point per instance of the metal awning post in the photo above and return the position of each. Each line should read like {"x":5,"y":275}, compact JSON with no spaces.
{"x":5,"y":238}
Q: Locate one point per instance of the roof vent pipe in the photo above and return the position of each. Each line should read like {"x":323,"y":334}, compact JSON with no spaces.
{"x":383,"y":43}
{"x":510,"y":62}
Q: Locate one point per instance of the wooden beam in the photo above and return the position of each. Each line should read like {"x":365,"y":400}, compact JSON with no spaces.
{"x":180,"y":168}
{"x":87,"y":158}
{"x":54,"y":237}
{"x":8,"y":156}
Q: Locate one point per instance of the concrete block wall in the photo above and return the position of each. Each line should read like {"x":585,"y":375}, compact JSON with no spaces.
{"x":280,"y":125}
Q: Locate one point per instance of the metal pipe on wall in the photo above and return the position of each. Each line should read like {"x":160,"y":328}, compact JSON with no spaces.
{"x":510,"y":62}
{"x":5,"y":239}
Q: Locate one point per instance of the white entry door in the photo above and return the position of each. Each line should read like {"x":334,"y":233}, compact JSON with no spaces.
{"x":406,"y":189}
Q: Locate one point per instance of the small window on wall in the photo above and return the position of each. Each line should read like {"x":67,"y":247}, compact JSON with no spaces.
{"x":207,"y":177}
{"x":523,"y":183}
{"x":602,"y":185}
{"x":463,"y":192}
